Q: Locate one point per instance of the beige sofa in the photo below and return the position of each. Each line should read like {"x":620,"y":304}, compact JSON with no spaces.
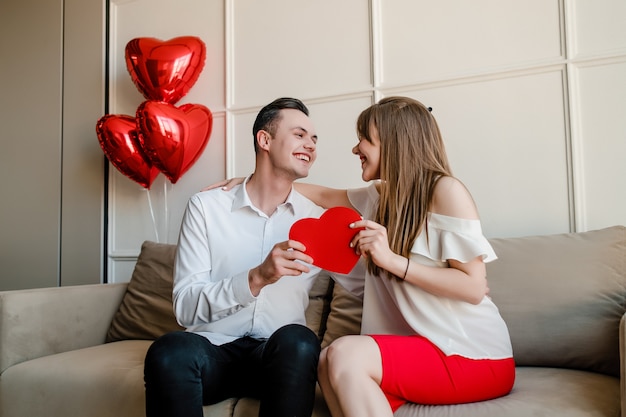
{"x":562,"y":296}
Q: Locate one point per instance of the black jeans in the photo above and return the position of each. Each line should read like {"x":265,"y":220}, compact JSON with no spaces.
{"x":183,"y":371}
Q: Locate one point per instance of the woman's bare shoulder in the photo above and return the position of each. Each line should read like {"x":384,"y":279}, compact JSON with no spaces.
{"x":452,"y":198}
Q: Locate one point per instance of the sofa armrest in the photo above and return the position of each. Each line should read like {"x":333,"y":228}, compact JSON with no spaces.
{"x":622,"y":357}
{"x":45,"y":321}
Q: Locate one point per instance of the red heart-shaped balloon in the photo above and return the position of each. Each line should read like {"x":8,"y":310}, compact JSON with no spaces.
{"x":327,"y":239}
{"x":118,"y":138}
{"x":173,"y":137}
{"x":165,"y":70}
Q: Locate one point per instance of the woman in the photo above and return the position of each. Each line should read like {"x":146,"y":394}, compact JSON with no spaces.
{"x":430,"y":334}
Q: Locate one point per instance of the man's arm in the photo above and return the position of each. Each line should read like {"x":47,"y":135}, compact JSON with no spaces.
{"x":197,"y":297}
{"x":201,"y":298}
{"x":324,"y":196}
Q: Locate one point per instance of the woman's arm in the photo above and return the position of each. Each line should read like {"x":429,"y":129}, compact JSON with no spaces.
{"x":225,"y":184}
{"x":324,"y":196}
{"x":464,"y":281}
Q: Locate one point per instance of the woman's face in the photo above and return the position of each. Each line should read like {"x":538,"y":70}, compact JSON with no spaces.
{"x":369,"y":153}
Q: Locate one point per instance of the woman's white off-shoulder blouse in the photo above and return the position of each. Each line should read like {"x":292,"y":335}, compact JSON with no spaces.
{"x":391,"y":306}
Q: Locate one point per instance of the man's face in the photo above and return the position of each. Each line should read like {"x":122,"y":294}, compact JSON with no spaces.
{"x":292,"y":148}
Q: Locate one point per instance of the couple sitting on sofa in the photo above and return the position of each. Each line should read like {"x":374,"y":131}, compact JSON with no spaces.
{"x":430,"y":334}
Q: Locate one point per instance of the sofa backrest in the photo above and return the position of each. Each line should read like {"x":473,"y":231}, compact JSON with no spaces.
{"x":562,"y":297}
{"x":58,"y":319}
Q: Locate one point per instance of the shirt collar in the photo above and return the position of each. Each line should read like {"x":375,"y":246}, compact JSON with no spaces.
{"x":242,"y":199}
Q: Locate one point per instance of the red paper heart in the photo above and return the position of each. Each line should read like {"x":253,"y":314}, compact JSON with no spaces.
{"x":173,"y":137}
{"x":118,"y":138}
{"x":327,"y":239}
{"x":165,"y":70}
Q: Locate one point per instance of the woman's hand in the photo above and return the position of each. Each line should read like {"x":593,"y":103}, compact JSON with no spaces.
{"x":225,"y":184}
{"x":372,"y":242}
{"x":461,"y":281}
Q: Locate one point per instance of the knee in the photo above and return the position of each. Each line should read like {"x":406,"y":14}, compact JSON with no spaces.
{"x":322,"y":367}
{"x":354,"y":358}
{"x":336,"y":358}
{"x":168,"y":352}
{"x":295,"y":341}
{"x":338,"y":348}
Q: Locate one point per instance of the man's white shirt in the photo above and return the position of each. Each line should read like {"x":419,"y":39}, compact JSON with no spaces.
{"x":223,"y":235}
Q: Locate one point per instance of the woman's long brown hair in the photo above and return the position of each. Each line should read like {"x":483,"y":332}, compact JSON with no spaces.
{"x":412,"y":159}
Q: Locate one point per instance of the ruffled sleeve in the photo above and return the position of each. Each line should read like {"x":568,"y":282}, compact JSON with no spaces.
{"x":453,"y":238}
{"x":364,"y":199}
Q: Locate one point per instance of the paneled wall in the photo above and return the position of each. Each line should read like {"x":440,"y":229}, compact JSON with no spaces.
{"x":529,"y":96}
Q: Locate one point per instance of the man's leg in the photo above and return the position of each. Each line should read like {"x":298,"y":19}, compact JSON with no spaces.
{"x":182,"y":372}
{"x":289,"y":372}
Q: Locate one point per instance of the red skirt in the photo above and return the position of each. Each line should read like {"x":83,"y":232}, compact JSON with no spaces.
{"x":415,"y":370}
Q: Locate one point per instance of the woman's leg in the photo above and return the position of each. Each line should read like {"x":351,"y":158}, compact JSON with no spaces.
{"x":352,"y":373}
{"x":329,"y":395}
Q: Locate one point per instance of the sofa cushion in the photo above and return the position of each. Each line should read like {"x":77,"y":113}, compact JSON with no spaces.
{"x":562,"y":297}
{"x":99,"y":381}
{"x":319,"y":304}
{"x":246,"y":407}
{"x":345,"y":315}
{"x":538,"y":392}
{"x":146,"y":310}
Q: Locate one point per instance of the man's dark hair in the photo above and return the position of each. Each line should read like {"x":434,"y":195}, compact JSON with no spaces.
{"x":269,"y":116}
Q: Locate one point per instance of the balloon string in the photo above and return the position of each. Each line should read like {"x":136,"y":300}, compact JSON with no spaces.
{"x":167,"y":216}
{"x":156,"y":230}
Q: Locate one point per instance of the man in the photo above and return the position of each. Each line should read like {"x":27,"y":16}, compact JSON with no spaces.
{"x":241,"y":287}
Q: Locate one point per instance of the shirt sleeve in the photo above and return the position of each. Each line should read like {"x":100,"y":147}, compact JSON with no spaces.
{"x":199,"y":297}
{"x":364,"y":199}
{"x":353,"y":281}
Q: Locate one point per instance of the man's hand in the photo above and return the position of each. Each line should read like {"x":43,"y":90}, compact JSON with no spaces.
{"x":281,"y":261}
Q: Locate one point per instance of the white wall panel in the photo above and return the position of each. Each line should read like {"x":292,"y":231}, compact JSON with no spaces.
{"x":336,"y":166}
{"x":241,"y":160}
{"x":297,"y":48}
{"x":121,"y":267}
{"x":423,"y":40}
{"x":601,"y":126}
{"x":506,"y":140}
{"x":597,"y":27}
